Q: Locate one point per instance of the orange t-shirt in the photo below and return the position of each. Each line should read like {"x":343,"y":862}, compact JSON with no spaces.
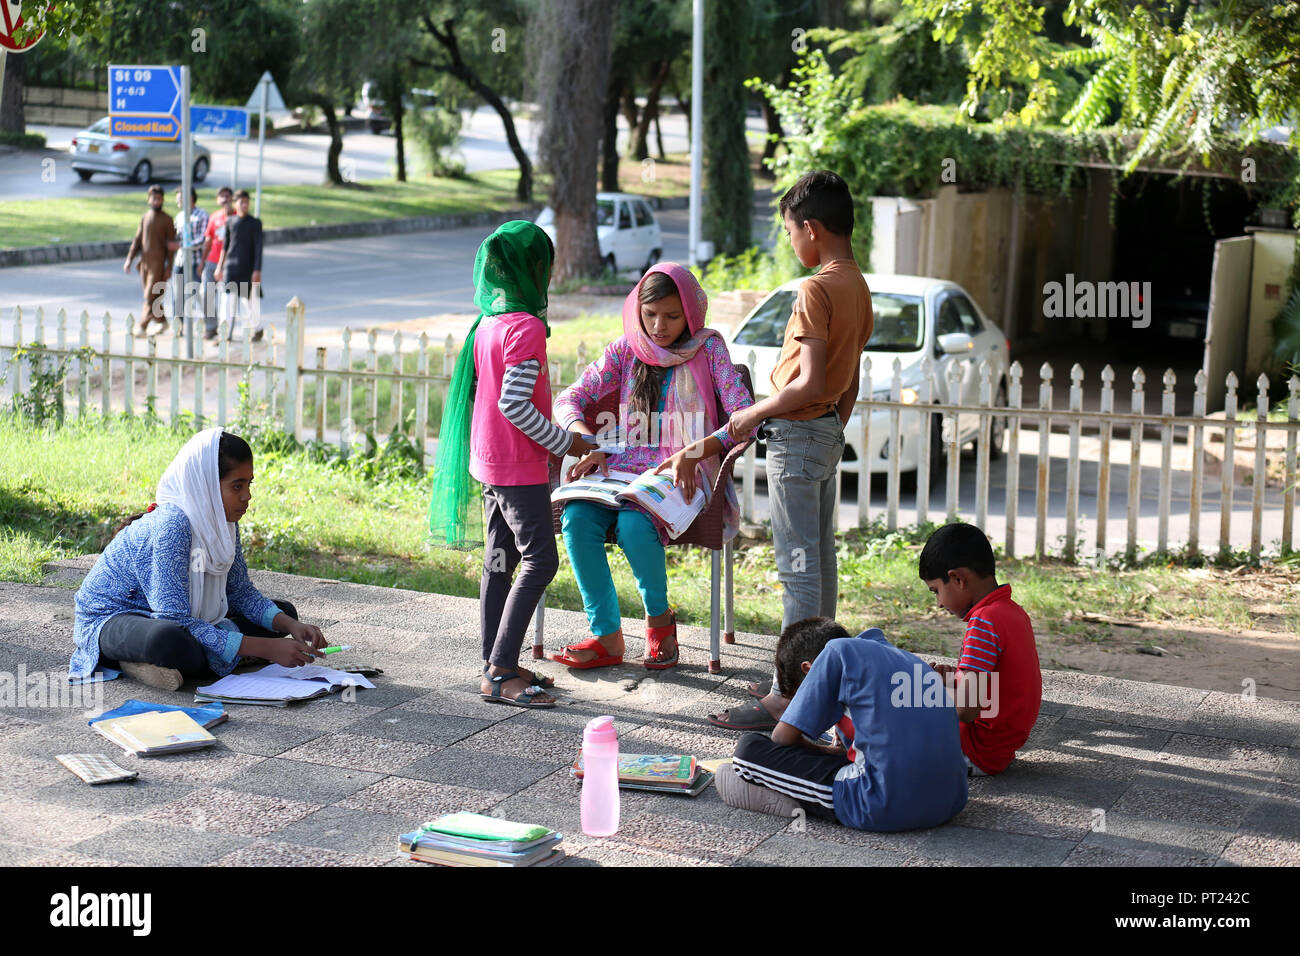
{"x":833,"y":306}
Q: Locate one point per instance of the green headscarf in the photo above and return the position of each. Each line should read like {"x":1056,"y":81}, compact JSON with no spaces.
{"x":511,"y":274}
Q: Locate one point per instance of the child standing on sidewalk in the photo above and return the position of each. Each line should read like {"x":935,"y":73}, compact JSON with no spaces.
{"x":497,"y":427}
{"x":814,"y":389}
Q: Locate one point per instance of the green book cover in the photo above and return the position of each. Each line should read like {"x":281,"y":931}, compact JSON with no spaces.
{"x":475,"y":826}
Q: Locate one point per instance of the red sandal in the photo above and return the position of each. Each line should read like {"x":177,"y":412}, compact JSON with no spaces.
{"x":604,"y":658}
{"x":654,"y":637}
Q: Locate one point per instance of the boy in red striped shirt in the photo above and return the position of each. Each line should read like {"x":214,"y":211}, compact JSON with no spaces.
{"x":997,"y":683}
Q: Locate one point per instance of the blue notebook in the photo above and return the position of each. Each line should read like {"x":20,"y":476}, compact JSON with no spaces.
{"x":209,"y":715}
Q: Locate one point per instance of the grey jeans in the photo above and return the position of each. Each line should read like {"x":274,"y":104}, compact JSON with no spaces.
{"x":802,"y":458}
{"x":520,"y":534}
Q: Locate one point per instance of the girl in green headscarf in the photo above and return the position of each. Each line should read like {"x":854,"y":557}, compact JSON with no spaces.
{"x":496,"y":427}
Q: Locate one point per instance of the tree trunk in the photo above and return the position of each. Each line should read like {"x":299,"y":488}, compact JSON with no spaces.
{"x":12,"y":118}
{"x":632,"y":115}
{"x":456,"y":67}
{"x":659,"y":137}
{"x":609,"y":140}
{"x":728,"y":189}
{"x":775,"y":134}
{"x":572,"y":78}
{"x":332,"y":174}
{"x":640,"y":146}
{"x":397,"y":112}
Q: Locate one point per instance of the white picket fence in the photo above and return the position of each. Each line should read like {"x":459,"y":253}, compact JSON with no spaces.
{"x":279,"y":380}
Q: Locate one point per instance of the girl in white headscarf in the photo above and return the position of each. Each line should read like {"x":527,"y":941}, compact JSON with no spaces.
{"x":170,"y":597}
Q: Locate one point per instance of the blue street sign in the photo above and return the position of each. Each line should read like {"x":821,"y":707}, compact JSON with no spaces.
{"x":223,"y":122}
{"x":144,"y":102}
{"x":144,"y":89}
{"x":137,"y":126}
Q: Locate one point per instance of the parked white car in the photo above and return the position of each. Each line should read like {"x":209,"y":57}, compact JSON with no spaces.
{"x":626,"y":229}
{"x":139,"y":160}
{"x":915,"y":316}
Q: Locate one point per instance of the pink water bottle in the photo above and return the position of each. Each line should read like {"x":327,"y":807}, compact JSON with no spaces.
{"x":600,"y":778}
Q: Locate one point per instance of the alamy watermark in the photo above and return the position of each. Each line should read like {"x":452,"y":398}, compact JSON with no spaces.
{"x":42,"y":689}
{"x":1098,"y":300}
{"x":923,"y":686}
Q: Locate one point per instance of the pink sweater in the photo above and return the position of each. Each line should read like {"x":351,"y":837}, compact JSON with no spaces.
{"x":499,"y":453}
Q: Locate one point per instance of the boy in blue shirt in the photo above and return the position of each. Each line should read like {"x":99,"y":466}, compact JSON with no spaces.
{"x":903,"y":767}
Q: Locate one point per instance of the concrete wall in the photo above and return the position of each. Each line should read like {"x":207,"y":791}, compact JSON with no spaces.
{"x":58,"y":107}
{"x":1225,"y":337}
{"x":1275,"y":252}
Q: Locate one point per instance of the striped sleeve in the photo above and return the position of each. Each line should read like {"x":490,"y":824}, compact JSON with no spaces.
{"x":982,"y":646}
{"x":516,"y":404}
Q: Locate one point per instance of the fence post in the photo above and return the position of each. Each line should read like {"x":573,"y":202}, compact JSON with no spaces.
{"x":1044,"y":459}
{"x":1138,"y":407}
{"x":952,"y":438}
{"x":982,"y":449}
{"x":62,"y":340}
{"x":1198,"y":465}
{"x":1166,"y":460}
{"x":1072,"y":465}
{"x":1014,"y":402}
{"x":345,"y":396}
{"x":1288,"y":496}
{"x":395,"y":395}
{"x":128,"y":377}
{"x":422,"y":397}
{"x":864,"y":444}
{"x":321,"y":393}
{"x":293,"y":358}
{"x":372,"y":384}
{"x":924,"y":461}
{"x":1229,"y":464}
{"x":151,"y":379}
{"x":895,"y":396}
{"x":1261,"y":466}
{"x":223,"y":383}
{"x":176,"y":377}
{"x":83,"y":367}
{"x":1103,"y":459}
{"x":106,"y":367}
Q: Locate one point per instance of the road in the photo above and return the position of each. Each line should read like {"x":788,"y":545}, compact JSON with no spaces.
{"x":295,"y":158}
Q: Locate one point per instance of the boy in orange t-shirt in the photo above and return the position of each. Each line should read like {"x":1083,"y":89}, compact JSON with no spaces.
{"x":814,"y":389}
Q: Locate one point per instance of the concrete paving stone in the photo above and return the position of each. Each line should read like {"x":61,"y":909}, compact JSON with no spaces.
{"x":1090,"y":854}
{"x":194,"y":767}
{"x":386,"y":693}
{"x":347,"y":831}
{"x":517,"y":738}
{"x":1221,"y":755}
{"x":13,"y":854}
{"x":1036,"y":816}
{"x":361,"y":753}
{"x":1129,"y":833}
{"x":1254,"y":850}
{"x":419,"y":615}
{"x":1276,"y":813}
{"x":1071,"y":778}
{"x":967,"y":846}
{"x":322,"y":716}
{"x":231,"y":811}
{"x":57,"y":737}
{"x":310,"y":782}
{"x":456,"y":703}
{"x":906,"y":843}
{"x":471,"y":768}
{"x":24,"y":775}
{"x":262,"y":739}
{"x":369,"y":640}
{"x":1289,"y":768}
{"x":301,"y":590}
{"x":1254,"y":719}
{"x":1160,"y":706}
{"x":1041,"y":730}
{"x":144,"y":843}
{"x":66,"y":859}
{"x":1156,"y":803}
{"x":274,"y":853}
{"x":792,"y":849}
{"x":29,"y":822}
{"x":125,"y":798}
{"x":418,"y":801}
{"x":670,"y":833}
{"x":561,"y":815}
{"x":614,"y":852}
{"x":682,"y":733}
{"x":433,"y":729}
{"x":708,"y":809}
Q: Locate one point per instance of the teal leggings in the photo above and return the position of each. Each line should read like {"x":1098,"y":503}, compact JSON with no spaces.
{"x":585,"y":526}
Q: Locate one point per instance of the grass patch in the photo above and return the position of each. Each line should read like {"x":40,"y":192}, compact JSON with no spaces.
{"x":116,"y":216}
{"x":62,"y":492}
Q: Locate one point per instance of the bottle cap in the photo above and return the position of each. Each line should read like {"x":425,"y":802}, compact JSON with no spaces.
{"x":599,"y":730}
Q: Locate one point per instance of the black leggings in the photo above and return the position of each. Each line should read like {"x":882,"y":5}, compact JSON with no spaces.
{"x":148,"y":640}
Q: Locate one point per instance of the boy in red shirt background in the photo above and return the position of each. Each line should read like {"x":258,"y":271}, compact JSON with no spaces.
{"x":997,"y":683}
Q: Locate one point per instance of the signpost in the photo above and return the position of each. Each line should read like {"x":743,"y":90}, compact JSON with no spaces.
{"x":10,"y":21}
{"x":219,"y":122}
{"x":265,"y":97}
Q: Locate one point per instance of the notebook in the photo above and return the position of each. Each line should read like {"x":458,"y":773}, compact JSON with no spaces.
{"x":425,"y":846}
{"x":207,"y":716}
{"x":147,"y":735}
{"x":275,"y":685}
{"x":95,"y":768}
{"x":475,"y":829}
{"x":662,"y":770}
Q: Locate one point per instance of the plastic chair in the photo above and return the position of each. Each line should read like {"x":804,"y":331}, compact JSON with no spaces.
{"x":705,"y":531}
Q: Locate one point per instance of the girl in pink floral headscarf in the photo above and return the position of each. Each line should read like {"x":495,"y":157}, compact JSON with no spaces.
{"x":669,"y":372}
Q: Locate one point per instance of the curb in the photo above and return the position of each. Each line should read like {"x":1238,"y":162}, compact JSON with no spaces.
{"x":88,"y":251}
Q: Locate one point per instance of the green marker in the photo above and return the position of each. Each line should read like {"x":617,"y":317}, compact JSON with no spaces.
{"x":335,"y":650}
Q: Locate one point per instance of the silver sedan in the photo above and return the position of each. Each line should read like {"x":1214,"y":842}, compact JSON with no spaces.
{"x":139,"y":160}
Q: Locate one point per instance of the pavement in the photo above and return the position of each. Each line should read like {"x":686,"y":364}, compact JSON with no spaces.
{"x":1116,"y":772}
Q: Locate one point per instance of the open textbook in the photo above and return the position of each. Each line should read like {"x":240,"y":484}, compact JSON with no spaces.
{"x":655,"y":493}
{"x":275,"y":685}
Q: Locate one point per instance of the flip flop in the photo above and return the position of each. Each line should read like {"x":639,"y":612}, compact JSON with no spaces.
{"x":755,"y":689}
{"x":523,"y":699}
{"x":754,"y":717}
{"x":654,"y":637}
{"x":605,"y":659}
{"x":541,"y":680}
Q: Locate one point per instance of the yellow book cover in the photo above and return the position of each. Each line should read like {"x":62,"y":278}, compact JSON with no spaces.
{"x":158,"y":732}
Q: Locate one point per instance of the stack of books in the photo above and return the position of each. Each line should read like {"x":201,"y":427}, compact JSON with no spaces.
{"x":147,"y":735}
{"x":659,"y":773}
{"x":469,"y":839}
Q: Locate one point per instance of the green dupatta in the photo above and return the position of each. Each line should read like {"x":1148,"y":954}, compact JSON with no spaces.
{"x":511,"y":274}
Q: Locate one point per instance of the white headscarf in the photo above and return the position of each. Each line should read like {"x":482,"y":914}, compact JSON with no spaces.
{"x":192,"y":483}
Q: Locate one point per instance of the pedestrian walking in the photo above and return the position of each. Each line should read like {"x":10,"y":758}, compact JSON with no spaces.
{"x":240,"y":267}
{"x":212,"y":297}
{"x":188,"y":266}
{"x":154,"y":243}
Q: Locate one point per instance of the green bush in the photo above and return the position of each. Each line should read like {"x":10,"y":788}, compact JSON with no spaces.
{"x":22,"y":140}
{"x":435,"y":131}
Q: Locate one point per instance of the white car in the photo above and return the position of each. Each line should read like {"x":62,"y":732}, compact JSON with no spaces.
{"x":915,"y":316}
{"x":626,"y":229}
{"x":139,"y":160}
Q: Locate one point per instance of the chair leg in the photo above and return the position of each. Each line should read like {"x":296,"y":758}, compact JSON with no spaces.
{"x":539,"y":621}
{"x":715,"y":650}
{"x":729,"y":631}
